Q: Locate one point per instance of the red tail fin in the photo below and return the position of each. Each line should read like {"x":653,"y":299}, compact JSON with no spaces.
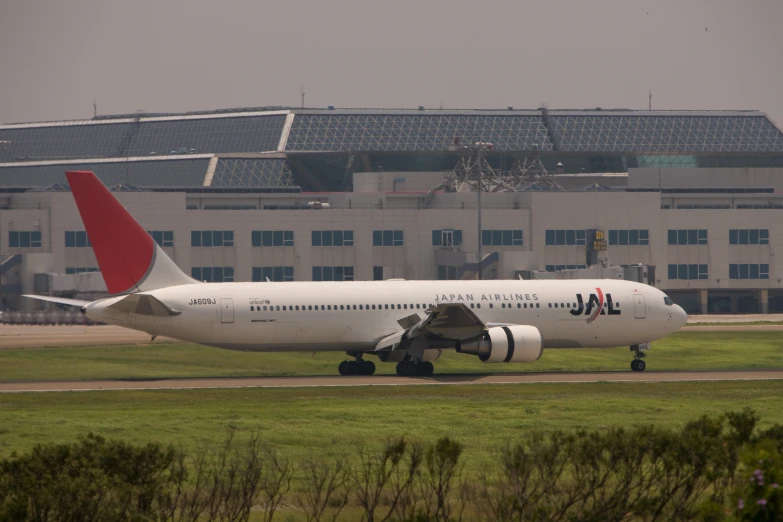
{"x":126,"y":253}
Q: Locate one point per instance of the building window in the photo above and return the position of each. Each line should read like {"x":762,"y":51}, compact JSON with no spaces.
{"x":564,"y":237}
{"x":77,"y":239}
{"x":752,"y":236}
{"x":629,"y":237}
{"x":270,"y":238}
{"x":213,"y":274}
{"x":507,"y":237}
{"x":387,"y":238}
{"x":273,"y":273}
{"x":24,"y":239}
{"x":688,"y":237}
{"x":690,"y":271}
{"x":447,"y":272}
{"x":338,"y":238}
{"x":80,"y":270}
{"x":748,"y":271}
{"x":377,"y":273}
{"x":332,"y":273}
{"x":558,"y":268}
{"x":446,"y":237}
{"x":164,"y":238}
{"x":212,"y":238}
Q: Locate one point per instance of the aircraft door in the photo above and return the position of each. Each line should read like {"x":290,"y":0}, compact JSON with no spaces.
{"x":226,"y":310}
{"x":639,"y":306}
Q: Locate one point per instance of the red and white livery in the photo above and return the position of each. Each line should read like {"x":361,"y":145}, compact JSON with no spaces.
{"x":405,"y":322}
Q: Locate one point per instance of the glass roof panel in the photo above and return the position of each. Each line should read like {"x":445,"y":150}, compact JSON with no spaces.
{"x":62,"y":142}
{"x":214,"y":135}
{"x":142,"y":138}
{"x":252,"y":173}
{"x":669,"y":134}
{"x":412,"y":133}
{"x":170,"y":173}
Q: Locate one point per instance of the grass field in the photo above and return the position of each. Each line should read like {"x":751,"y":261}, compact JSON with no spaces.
{"x":330,"y":421}
{"x":690,"y":350}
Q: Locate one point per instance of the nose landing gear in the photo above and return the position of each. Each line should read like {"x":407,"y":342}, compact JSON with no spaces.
{"x":638,"y":364}
{"x":356,"y":367}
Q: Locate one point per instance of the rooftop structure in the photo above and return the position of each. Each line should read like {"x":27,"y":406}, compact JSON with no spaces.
{"x":275,"y":148}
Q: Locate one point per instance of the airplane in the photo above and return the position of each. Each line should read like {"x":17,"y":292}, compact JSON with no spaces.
{"x":409,"y":323}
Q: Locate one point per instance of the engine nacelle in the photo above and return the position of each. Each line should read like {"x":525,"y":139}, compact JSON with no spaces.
{"x":517,"y":343}
{"x":399,"y":355}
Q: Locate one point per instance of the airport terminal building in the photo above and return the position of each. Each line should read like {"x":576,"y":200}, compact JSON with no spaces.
{"x":284,"y":194}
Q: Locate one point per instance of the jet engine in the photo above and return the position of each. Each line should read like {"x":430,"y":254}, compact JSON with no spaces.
{"x":516,"y":343}
{"x":398,"y":355}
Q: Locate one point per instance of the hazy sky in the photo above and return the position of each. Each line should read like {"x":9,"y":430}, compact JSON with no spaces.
{"x":180,"y":55}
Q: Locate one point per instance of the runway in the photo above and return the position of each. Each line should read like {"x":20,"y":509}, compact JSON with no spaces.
{"x":14,"y":337}
{"x":391,"y":380}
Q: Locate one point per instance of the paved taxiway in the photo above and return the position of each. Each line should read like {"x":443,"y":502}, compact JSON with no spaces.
{"x":389,"y":380}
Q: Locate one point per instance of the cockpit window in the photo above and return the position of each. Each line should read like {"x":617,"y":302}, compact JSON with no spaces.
{"x":668,"y":301}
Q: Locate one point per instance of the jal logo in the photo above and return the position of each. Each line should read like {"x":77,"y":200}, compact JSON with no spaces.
{"x":594,"y":306}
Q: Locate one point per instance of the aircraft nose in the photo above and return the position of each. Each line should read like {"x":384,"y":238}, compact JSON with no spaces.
{"x":680,"y":315}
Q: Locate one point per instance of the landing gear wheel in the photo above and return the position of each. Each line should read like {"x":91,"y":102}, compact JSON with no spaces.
{"x":367,"y":368}
{"x":638,"y":364}
{"x":404,"y":368}
{"x":343,"y":368}
{"x":425,"y":369}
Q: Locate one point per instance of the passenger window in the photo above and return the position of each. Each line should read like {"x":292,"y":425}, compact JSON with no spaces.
{"x":251,"y":309}
{"x":519,"y":305}
{"x":310,"y":307}
{"x":277,"y":308}
{"x":471,"y":305}
{"x":550,"y":305}
{"x":478,"y":305}
{"x":328,"y":307}
{"x":491,"y":305}
{"x":265,"y":309}
{"x":538,"y":305}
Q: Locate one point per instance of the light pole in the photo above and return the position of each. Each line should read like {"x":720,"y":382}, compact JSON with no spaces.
{"x":480,"y":147}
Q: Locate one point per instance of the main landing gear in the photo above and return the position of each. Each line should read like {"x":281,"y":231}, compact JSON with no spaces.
{"x":414,"y":369}
{"x":638,"y":364}
{"x":356,"y":367}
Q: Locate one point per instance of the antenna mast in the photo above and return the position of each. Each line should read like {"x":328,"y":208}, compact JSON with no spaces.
{"x":302,"y":92}
{"x":649,"y":92}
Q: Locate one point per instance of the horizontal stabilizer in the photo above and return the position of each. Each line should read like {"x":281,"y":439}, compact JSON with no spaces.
{"x":143,"y":304}
{"x":58,"y":300}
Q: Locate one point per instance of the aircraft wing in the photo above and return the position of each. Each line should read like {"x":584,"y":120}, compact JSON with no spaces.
{"x":450,"y":321}
{"x":58,"y":300}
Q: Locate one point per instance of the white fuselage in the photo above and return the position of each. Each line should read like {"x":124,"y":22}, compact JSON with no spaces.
{"x":355,"y":316}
